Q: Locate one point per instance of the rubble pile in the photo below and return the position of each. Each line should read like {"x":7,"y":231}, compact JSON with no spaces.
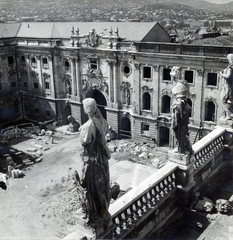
{"x":147,"y":154}
{"x":63,"y":201}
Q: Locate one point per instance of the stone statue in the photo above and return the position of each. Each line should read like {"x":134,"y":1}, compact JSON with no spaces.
{"x":227,"y":88}
{"x":127,"y":96}
{"x":95,"y":172}
{"x":180,"y":112}
{"x":73,"y":124}
{"x":68,"y":87}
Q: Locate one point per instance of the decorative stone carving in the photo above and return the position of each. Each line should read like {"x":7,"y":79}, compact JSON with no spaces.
{"x":180,"y":112}
{"x":93,"y":39}
{"x":137,"y":66}
{"x":200,"y":72}
{"x":46,"y":76}
{"x":226,"y":95}
{"x":95,"y":179}
{"x":34,"y":75}
{"x":147,"y":89}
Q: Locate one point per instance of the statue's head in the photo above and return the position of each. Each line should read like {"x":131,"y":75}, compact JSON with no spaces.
{"x":230,"y":58}
{"x":175,"y":72}
{"x":89,"y":106}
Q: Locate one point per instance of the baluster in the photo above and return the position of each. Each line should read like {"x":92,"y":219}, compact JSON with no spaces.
{"x":162,"y":193}
{"x":123,"y":221}
{"x":157,"y":192}
{"x":129,"y":216}
{"x":173,"y":179}
{"x":139,"y":208}
{"x":169,"y":182}
{"x":165,"y":182}
{"x":118,"y":228}
{"x":134,"y":212}
{"x":144,"y":202}
{"x":153,"y":195}
{"x":148,"y":196}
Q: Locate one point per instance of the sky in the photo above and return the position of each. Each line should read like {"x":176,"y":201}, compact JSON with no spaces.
{"x":219,"y":1}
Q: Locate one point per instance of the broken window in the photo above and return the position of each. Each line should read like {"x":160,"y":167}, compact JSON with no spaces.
{"x":166,"y":104}
{"x":212,"y":79}
{"x":146,"y":101}
{"x":166,"y":74}
{"x":145,"y":127}
{"x":36,"y":85}
{"x":45,"y":63}
{"x":10,"y":60}
{"x":146,"y":72}
{"x":188,"y":76}
{"x":47,"y":85}
{"x":93,"y":63}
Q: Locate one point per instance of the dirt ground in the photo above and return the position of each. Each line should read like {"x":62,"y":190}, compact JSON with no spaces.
{"x":42,"y":204}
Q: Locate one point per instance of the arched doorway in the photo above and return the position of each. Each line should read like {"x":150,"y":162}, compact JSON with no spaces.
{"x":125,"y":130}
{"x":164,"y":133}
{"x":100,"y":100}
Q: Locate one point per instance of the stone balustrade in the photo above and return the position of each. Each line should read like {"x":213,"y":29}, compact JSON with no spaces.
{"x":129,"y":211}
{"x":208,"y":146}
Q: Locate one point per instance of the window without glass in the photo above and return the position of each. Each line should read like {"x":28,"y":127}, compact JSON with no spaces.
{"x":166,"y":74}
{"x":188,"y":76}
{"x":47,"y":85}
{"x":146,"y":101}
{"x":10,"y":60}
{"x":126,"y":69}
{"x":145,"y":128}
{"x":166,"y":104}
{"x":26,"y":109}
{"x":37,"y":110}
{"x":210,"y":111}
{"x":25,"y":84}
{"x":47,"y":113}
{"x":45,"y":62}
{"x":212,"y":79}
{"x":36,"y":85}
{"x":93,"y":63}
{"x":146,"y":72}
{"x":13,"y":84}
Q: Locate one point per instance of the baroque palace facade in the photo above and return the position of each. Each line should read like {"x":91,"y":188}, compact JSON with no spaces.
{"x":47,"y":69}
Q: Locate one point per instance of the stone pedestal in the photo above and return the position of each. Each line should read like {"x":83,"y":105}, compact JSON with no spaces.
{"x":184,"y":175}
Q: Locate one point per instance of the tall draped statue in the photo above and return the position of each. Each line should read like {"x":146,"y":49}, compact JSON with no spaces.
{"x":180,"y":112}
{"x":95,"y":177}
{"x":226,"y":95}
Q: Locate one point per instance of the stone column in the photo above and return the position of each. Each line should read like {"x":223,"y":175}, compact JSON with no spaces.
{"x":52,"y":87}
{"x":73,"y":71}
{"x":78,"y":79}
{"x":41,"y":79}
{"x":110,"y":77}
{"x":115,"y":80}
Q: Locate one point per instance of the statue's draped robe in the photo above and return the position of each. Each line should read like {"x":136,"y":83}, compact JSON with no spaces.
{"x":180,"y":116}
{"x":95,"y":172}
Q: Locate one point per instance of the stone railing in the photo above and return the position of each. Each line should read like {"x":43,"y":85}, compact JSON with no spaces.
{"x":208,"y":146}
{"x":132,"y":209}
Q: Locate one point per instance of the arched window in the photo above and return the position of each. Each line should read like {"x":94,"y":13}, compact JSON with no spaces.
{"x":166,"y":104}
{"x":146,"y":101}
{"x":209,"y":111}
{"x":190,"y":103}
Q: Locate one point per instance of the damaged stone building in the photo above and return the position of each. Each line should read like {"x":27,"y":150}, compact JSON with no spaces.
{"x":48,"y":68}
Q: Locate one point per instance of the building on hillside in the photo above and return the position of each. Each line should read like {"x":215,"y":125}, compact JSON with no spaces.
{"x":47,"y":69}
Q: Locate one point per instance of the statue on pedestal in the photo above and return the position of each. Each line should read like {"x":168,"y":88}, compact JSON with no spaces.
{"x":180,"y":112}
{"x":73,"y":124}
{"x":226,"y":95}
{"x":95,"y":179}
